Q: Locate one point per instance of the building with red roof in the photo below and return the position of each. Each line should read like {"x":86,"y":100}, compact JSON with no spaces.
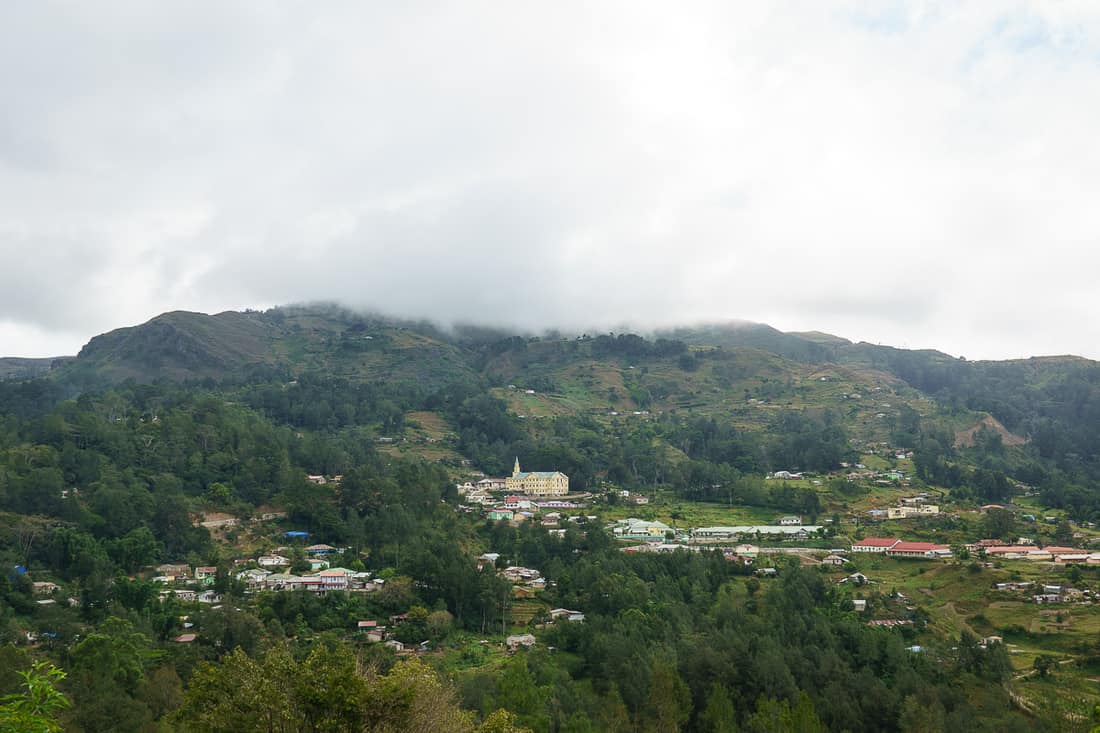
{"x":874,"y":544}
{"x":926,"y":550}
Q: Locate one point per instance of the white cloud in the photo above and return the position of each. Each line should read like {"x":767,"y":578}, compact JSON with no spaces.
{"x":916,"y":173}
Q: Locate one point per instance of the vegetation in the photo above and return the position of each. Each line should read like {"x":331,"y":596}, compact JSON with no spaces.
{"x":119,"y":460}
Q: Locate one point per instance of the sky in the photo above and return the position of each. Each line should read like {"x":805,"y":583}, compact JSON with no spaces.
{"x":919,"y":174}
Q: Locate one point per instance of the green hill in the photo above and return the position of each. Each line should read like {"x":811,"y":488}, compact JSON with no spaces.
{"x":184,"y":346}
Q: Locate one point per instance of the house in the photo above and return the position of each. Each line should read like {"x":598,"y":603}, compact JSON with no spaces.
{"x":207,"y":572}
{"x":185,"y":638}
{"x":174,"y":570}
{"x":1016,"y":552}
{"x":184,"y":595}
{"x":785,"y":475}
{"x":44,"y":587}
{"x":537,"y":483}
{"x":479,"y":497}
{"x":366,"y":625}
{"x":855,"y":579}
{"x":518,"y":574}
{"x":859,"y":605}
{"x":209,"y":596}
{"x":923,"y":550}
{"x":395,"y":645}
{"x":320,"y":550}
{"x":790,"y":521}
{"x":557,"y":504}
{"x":519,"y":640}
{"x":517,"y":502}
{"x":834,"y":560}
{"x":983,"y":545}
{"x":565,"y":613}
{"x":501,"y":515}
{"x":761,"y":530}
{"x":909,"y":512}
{"x":487,"y":559}
{"x":491,"y":484}
{"x":638,"y":529}
{"x":874,"y":544}
{"x":254,"y":577}
{"x":334,"y":579}
{"x":272,"y":561}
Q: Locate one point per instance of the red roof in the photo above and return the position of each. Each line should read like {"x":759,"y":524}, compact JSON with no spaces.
{"x":1063,"y":550}
{"x":1009,"y":549}
{"x":876,"y":542}
{"x":917,"y":547}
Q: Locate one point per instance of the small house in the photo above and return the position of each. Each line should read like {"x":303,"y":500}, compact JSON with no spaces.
{"x":519,"y":640}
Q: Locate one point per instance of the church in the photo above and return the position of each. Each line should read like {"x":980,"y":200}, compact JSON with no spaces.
{"x":537,"y":483}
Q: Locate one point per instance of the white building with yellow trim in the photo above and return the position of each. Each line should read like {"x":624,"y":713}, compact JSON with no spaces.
{"x":537,"y":483}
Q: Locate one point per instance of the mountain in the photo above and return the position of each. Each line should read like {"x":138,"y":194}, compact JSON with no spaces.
{"x":14,"y":367}
{"x":745,"y":375}
{"x":743,"y":334}
{"x":185,"y":346}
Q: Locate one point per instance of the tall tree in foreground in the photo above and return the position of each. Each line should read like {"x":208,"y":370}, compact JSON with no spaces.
{"x":35,"y":709}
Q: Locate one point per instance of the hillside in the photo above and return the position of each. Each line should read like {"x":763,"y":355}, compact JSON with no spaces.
{"x":748,"y":377}
{"x":183,"y":346}
{"x":222,"y":445}
{"x":13,"y":367}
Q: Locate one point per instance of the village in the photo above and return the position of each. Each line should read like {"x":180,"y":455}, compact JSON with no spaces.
{"x":867,"y":587}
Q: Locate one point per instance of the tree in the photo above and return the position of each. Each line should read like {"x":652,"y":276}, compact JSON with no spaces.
{"x":669,"y":704}
{"x":774,"y":716}
{"x":1043,"y":665}
{"x":920,"y":715}
{"x":718,"y":716}
{"x":412,"y":699}
{"x":35,"y":709}
{"x":241,"y":694}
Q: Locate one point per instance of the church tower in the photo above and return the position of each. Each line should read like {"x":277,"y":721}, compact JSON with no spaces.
{"x":515,"y":468}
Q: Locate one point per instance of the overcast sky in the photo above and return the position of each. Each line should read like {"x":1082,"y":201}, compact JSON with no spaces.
{"x":921,"y":174}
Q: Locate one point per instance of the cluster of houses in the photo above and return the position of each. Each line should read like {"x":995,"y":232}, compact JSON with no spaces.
{"x":269,"y":575}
